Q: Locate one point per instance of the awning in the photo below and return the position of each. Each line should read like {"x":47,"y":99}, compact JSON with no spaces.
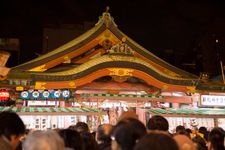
{"x":53,"y":111}
{"x":192,"y":112}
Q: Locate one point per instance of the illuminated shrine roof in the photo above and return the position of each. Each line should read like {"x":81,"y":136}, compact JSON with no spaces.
{"x":103,"y":50}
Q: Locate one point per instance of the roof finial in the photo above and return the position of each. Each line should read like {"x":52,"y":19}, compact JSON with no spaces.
{"x":107,"y":9}
{"x":106,"y":18}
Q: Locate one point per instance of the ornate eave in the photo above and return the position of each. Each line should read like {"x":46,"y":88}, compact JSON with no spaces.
{"x":61,"y":51}
{"x":112,"y":61}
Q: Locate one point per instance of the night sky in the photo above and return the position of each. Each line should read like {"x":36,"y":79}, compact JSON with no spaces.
{"x":181,"y":32}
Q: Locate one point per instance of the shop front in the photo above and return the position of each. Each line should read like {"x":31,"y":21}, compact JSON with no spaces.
{"x":191,"y":117}
{"x":42,"y":118}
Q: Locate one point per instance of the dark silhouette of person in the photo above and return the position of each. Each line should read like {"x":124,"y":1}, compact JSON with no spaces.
{"x":12,"y":128}
{"x":157,"y":140}
{"x":127,"y":133}
{"x":157,"y":122}
{"x":180,"y":128}
{"x":81,"y":127}
{"x":216,"y":139}
{"x":103,"y":136}
{"x":72,"y":139}
{"x":89,"y":141}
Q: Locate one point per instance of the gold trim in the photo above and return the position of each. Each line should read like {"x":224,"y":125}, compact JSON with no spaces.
{"x":67,"y":60}
{"x":40,"y":85}
{"x":165,"y":87}
{"x":72,"y":84}
{"x":191,"y":89}
{"x":110,"y":58}
{"x":19,"y":88}
{"x":121,"y":72}
{"x":39,"y":68}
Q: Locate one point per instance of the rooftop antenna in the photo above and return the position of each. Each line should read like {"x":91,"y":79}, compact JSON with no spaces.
{"x":221,"y":65}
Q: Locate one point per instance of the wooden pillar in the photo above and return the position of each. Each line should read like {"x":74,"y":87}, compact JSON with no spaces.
{"x":141,"y":115}
{"x":61,"y":103}
{"x":215,"y":122}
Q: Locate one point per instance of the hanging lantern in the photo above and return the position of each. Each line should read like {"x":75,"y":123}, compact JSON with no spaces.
{"x":35,"y":94}
{"x":46,"y":94}
{"x":56,"y":94}
{"x":25,"y":95}
{"x":66,"y":94}
{"x":4,"y":95}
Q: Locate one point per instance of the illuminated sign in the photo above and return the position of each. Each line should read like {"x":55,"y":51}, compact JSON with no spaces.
{"x":42,"y":103}
{"x":212,"y":100}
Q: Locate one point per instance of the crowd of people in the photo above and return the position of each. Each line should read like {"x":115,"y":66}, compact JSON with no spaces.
{"x":129,"y":133}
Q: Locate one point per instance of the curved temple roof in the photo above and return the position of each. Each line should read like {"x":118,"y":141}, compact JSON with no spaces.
{"x":100,"y":50}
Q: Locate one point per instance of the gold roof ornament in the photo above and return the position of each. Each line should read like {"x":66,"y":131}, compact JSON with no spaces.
{"x":106,"y":19}
{"x":121,"y":48}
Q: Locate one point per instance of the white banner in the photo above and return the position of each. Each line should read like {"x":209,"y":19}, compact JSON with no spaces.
{"x":212,"y":100}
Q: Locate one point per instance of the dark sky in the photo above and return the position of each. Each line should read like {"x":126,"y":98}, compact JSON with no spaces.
{"x":178,"y":31}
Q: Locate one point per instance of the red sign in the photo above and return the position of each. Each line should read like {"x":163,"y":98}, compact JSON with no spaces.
{"x":4,"y":95}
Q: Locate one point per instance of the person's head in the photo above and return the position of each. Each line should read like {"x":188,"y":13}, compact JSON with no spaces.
{"x":184,"y":142}
{"x":127,"y":114}
{"x":11,"y":127}
{"x":216,"y":139}
{"x":81,"y":127}
{"x":157,"y":122}
{"x":180,"y":128}
{"x":72,"y":139}
{"x":138,"y":126}
{"x":72,"y":127}
{"x":43,"y":140}
{"x":103,"y":133}
{"x":156,"y":140}
{"x":126,"y":133}
{"x":89,"y":141}
{"x":204,"y":131}
{"x":188,"y":130}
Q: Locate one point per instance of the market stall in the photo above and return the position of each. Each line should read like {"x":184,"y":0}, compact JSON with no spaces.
{"x":49,"y":117}
{"x":208,"y":117}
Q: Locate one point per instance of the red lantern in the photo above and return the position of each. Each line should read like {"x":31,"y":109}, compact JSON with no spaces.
{"x":4,"y":95}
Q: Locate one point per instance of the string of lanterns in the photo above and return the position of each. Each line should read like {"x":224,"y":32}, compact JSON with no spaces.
{"x":46,"y":94}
